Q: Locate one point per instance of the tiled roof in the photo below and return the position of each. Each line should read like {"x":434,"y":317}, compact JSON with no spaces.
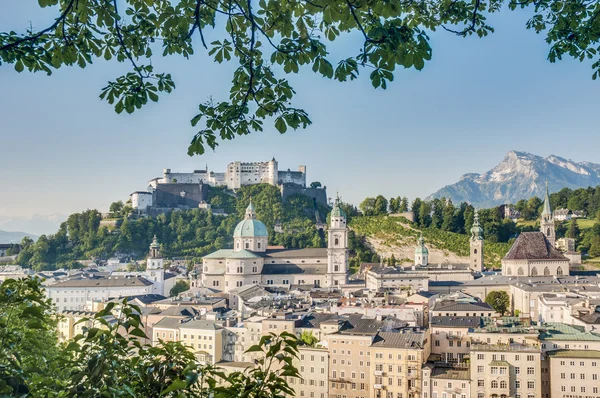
{"x":533,"y":246}
{"x":398,"y":340}
{"x":201,"y":325}
{"x":575,"y":354}
{"x":287,"y":269}
{"x":454,"y":373}
{"x":223,"y":253}
{"x":102,"y":282}
{"x":456,"y":321}
{"x":168,"y":323}
{"x":296,"y":253}
{"x":451,"y":305}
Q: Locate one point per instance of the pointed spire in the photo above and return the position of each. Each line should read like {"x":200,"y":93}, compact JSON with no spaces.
{"x":547,"y":209}
{"x":250,"y":214}
{"x":476,"y":230}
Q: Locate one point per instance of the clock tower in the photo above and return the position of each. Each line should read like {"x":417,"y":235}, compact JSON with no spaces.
{"x":337,"y":247}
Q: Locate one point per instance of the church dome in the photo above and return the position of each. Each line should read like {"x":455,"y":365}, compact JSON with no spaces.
{"x":421,"y":248}
{"x":249,"y":228}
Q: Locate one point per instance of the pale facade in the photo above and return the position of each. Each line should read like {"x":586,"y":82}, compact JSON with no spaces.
{"x":396,"y":362}
{"x":574,"y":373}
{"x":237,"y":174}
{"x":350,"y":365}
{"x":250,"y":262}
{"x":450,"y":337}
{"x":78,"y":294}
{"x":313,"y":365}
{"x":502,"y":371}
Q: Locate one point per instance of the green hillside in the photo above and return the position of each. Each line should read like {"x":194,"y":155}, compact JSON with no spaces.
{"x":397,"y":232}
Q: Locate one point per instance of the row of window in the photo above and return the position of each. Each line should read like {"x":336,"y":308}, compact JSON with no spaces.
{"x":534,"y":271}
{"x":504,"y":384}
{"x":581,"y":389}
{"x":581,"y":363}
{"x":530,"y":358}
{"x":581,"y":376}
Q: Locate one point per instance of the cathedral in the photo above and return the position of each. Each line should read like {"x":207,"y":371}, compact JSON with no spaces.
{"x":534,"y":253}
{"x":252,"y":261}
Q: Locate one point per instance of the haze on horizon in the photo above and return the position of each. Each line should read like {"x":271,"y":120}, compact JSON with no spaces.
{"x":66,"y":151}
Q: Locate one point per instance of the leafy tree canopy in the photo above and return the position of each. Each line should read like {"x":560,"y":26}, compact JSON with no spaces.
{"x":179,"y":287}
{"x":499,"y":301}
{"x":268,"y":39}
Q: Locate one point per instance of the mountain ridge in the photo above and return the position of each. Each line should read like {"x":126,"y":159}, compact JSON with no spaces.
{"x":520,"y":175}
{"x":14,"y":236}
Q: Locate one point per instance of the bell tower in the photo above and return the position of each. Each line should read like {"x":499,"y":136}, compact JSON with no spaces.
{"x":547,"y":221}
{"x":476,"y":245}
{"x":155,"y":272}
{"x":337,"y":247}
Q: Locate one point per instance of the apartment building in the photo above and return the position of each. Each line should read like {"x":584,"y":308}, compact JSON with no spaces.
{"x":68,"y":326}
{"x":204,"y":337}
{"x":574,"y":373}
{"x":396,"y":360}
{"x":505,"y":370}
{"x":446,"y":380}
{"x":350,"y":364}
{"x":450,"y":340}
{"x":313,"y":365}
{"x":462,"y":308}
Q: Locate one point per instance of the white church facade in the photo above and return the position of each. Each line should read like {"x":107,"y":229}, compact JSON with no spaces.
{"x":251,"y":261}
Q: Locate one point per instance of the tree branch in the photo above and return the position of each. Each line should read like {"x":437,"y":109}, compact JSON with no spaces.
{"x":122,"y":43}
{"x":33,"y":38}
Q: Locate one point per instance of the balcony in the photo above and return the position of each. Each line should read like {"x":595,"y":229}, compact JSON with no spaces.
{"x":378,"y":372}
{"x":453,"y":337}
{"x":505,"y":347}
{"x":377,"y":386}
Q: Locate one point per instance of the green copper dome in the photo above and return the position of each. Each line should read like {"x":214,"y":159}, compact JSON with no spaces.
{"x":476,"y":230}
{"x":421,"y":248}
{"x":250,"y":226}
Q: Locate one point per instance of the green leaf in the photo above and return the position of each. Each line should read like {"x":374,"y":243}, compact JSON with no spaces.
{"x":19,"y":66}
{"x":280,"y":125}
{"x":176,"y":385}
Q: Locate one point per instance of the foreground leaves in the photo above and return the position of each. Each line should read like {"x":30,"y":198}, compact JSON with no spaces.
{"x":269,"y":38}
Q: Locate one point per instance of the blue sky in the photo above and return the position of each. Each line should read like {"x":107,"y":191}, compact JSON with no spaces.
{"x":64,"y":150}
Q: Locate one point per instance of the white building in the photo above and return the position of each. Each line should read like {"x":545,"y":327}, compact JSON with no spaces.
{"x":78,"y":293}
{"x":252,"y":262}
{"x":237,"y":174}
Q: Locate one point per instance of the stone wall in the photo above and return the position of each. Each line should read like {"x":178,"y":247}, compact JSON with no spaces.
{"x":318,"y":194}
{"x":180,"y":195}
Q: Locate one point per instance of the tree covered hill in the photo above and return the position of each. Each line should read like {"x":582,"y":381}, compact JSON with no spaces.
{"x":397,"y":236}
{"x":185,"y":233}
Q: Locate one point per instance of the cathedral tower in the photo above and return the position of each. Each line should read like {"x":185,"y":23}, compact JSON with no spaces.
{"x":337,"y":247}
{"x":476,"y":245}
{"x":421,"y":253}
{"x":155,"y":272}
{"x":547,"y":221}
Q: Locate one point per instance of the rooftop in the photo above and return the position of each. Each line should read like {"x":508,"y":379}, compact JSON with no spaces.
{"x":452,"y":305}
{"x":399,"y":340}
{"x":456,"y":321}
{"x":575,"y":354}
{"x":533,"y":246}
{"x":102,"y":282}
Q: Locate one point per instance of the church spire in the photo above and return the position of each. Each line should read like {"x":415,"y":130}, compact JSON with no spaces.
{"x":250,"y":214}
{"x":547,"y":209}
{"x":476,"y":230}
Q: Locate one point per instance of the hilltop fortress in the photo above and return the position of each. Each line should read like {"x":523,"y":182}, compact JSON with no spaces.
{"x":190,"y":190}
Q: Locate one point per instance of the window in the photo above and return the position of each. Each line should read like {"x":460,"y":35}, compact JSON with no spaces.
{"x":517,"y":370}
{"x":531,"y":384}
{"x":480,"y":383}
{"x":530,"y":371}
{"x":437,"y":343}
{"x":494,"y":383}
{"x":502,"y":384}
{"x":517,"y":383}
{"x":480,"y":356}
{"x":479,"y":369}
{"x":530,"y":358}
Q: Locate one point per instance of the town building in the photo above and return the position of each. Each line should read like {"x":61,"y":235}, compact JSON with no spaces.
{"x":251,"y":261}
{"x":562,"y":215}
{"x":574,"y":373}
{"x":78,"y":293}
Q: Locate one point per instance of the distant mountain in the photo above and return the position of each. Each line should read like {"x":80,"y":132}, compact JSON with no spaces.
{"x":36,"y":224}
{"x":520,"y":175}
{"x":14,"y":237}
